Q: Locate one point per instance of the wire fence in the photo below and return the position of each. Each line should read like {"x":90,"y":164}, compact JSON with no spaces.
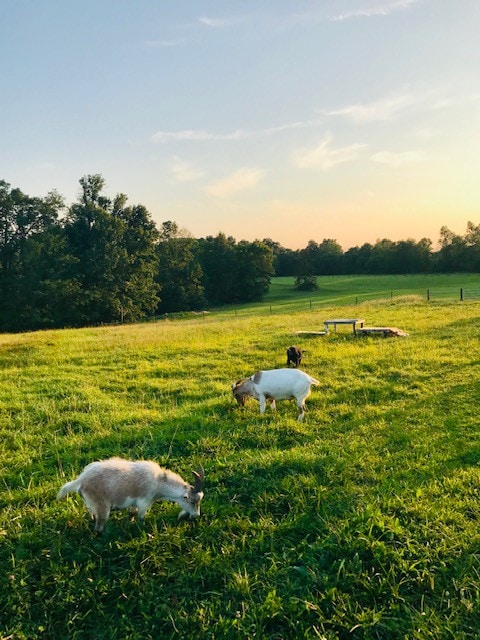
{"x":325,"y":300}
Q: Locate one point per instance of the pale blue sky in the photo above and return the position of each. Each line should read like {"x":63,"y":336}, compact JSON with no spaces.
{"x":346,"y":119}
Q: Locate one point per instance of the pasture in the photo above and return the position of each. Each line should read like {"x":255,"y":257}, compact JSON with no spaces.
{"x":360,"y":522}
{"x":352,"y":290}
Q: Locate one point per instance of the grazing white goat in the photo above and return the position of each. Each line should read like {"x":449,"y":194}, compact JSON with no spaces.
{"x":275,"y":384}
{"x":120,"y":484}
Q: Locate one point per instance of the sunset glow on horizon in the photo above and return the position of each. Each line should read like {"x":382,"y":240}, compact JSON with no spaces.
{"x":352,"y":120}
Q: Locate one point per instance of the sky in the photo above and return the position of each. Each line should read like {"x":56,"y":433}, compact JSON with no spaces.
{"x":295,"y":120}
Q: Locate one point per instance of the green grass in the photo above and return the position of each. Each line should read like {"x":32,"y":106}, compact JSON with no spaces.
{"x":360,"y":522}
{"x":356,"y":289}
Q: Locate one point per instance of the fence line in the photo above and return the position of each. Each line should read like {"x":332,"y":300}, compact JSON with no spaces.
{"x":290,"y":306}
{"x":317,"y":303}
{"x":469,"y":294}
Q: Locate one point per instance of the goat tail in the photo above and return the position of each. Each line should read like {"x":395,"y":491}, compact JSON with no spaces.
{"x":68,"y":487}
{"x":314,"y":381}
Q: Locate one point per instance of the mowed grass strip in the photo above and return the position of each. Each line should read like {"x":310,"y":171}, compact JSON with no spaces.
{"x":362,"y":521}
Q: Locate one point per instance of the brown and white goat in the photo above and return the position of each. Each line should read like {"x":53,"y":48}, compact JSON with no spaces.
{"x":120,"y":484}
{"x":275,"y":384}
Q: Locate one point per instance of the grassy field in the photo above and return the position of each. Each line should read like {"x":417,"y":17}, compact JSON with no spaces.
{"x":355,"y":290}
{"x":360,"y":522}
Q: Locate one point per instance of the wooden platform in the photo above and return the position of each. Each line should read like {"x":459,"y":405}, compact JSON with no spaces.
{"x":385,"y":332}
{"x":352,"y":321}
{"x":310,"y":333}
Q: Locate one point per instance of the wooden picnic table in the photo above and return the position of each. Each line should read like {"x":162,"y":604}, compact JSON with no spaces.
{"x":336,"y":321}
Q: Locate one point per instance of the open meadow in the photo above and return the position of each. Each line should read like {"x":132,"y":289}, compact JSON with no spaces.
{"x":362,"y":521}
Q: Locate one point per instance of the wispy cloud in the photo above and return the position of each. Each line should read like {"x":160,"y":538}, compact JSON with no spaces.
{"x":186,"y":135}
{"x":184,"y":34}
{"x":184,"y":171}
{"x":403,"y":102}
{"x":384,"y":9}
{"x":219,"y":23}
{"x":195,"y":135}
{"x":239,"y":180}
{"x":323,"y":157}
{"x":400,"y":158}
{"x":384,"y":109}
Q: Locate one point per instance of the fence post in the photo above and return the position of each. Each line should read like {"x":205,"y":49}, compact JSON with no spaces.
{"x":461,"y":294}
{"x":428,"y":295}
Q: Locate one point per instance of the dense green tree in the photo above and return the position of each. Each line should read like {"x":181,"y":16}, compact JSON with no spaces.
{"x":472,"y":243}
{"x":306,"y":283}
{"x":328,"y":259}
{"x":179,"y":272}
{"x":320,"y":259}
{"x":23,"y":220}
{"x":453,"y":252}
{"x":234,"y":272}
{"x":284,"y":260}
{"x":305,"y":264}
{"x":217,"y":259}
{"x":411,"y":257}
{"x":138,"y":290}
{"x":253,"y":271}
{"x":114,"y":247}
{"x":44,"y":282}
{"x":21,"y":216}
{"x":356,"y":259}
{"x":381,"y":257}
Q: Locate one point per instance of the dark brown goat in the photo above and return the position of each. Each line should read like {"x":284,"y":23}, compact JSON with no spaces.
{"x":294,"y":356}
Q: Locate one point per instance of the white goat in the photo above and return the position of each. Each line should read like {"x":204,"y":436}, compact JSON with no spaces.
{"x":276,"y":384}
{"x":120,"y":484}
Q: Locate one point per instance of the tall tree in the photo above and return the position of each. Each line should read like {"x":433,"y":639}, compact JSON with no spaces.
{"x":411,"y":257}
{"x":453,"y":251}
{"x":253,"y":272}
{"x":328,"y":260}
{"x":114,"y":247}
{"x":138,"y":290}
{"x":22,"y":219}
{"x":381,"y":257}
{"x":45,"y":282}
{"x":284,"y":260}
{"x":235,"y":273}
{"x":472,"y":242}
{"x":217,"y":259}
{"x":179,"y":272}
{"x":356,"y":259}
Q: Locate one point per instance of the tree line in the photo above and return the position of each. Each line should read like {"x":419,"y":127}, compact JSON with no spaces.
{"x":101,"y":260}
{"x":455,"y":254}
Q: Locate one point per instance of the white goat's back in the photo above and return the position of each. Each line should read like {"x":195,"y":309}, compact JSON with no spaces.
{"x":283,"y":383}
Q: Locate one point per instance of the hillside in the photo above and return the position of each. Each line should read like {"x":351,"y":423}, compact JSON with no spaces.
{"x":362,"y":521}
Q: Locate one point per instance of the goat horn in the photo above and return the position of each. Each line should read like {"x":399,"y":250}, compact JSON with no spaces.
{"x":199,"y":479}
